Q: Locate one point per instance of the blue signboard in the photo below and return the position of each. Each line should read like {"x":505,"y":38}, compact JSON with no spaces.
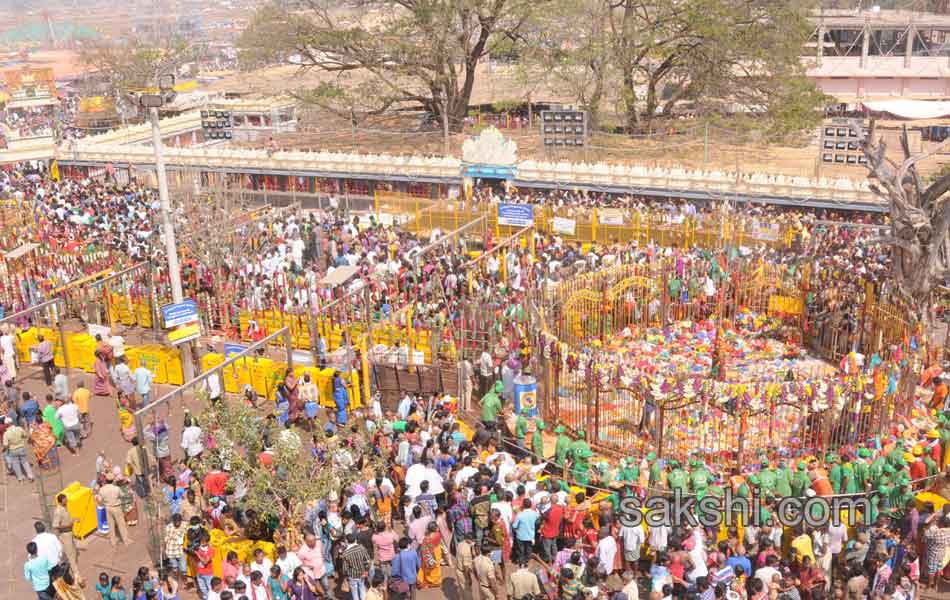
{"x":489,"y":171}
{"x":180,"y":314}
{"x":230,"y":349}
{"x":519,"y":215}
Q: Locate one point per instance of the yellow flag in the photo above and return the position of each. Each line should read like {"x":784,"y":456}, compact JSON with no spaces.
{"x":54,"y":170}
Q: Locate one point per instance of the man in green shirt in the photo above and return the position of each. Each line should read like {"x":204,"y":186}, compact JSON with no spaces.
{"x":521,"y":429}
{"x":580,"y":447}
{"x":800,"y":480}
{"x":581,"y":465}
{"x":491,"y":405}
{"x":629,"y":472}
{"x":537,"y":439}
{"x":767,"y":480}
{"x":677,"y":478}
{"x":699,"y":478}
{"x":561,"y":447}
{"x":656,"y":472}
{"x":849,"y":483}
{"x":862,"y":470}
{"x":834,"y":472}
{"x":783,"y":479}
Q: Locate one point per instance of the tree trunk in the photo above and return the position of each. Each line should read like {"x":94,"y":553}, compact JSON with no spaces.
{"x":630,"y":102}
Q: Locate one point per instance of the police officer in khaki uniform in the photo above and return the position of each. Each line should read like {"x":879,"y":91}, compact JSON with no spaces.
{"x":63,"y":527}
{"x":110,"y":496}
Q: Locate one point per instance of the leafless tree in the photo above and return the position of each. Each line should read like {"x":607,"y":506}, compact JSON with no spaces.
{"x":920,"y":221}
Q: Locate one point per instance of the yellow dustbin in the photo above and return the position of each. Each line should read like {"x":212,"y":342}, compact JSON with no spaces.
{"x":325,"y":386}
{"x":25,"y":340}
{"x":133,"y":356}
{"x":260,"y":374}
{"x":173,"y":370}
{"x":81,"y":504}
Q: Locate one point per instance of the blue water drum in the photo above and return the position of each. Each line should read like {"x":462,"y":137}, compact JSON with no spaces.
{"x":103,"y":521}
{"x":311,"y":409}
{"x":526,"y":395}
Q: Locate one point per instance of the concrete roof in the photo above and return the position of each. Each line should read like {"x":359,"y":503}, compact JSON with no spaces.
{"x":931,"y":67}
{"x":883,"y":19}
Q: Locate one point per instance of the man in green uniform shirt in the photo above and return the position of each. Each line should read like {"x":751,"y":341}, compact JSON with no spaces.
{"x":849,"y":482}
{"x":896,"y":456}
{"x":580,"y":447}
{"x":537,"y":439}
{"x":629,"y":472}
{"x":699,"y":478}
{"x":862,"y":469}
{"x":521,"y":429}
{"x":800,"y":480}
{"x":783,"y":481}
{"x":766,"y":480}
{"x":581,"y":465}
{"x":656,"y":471}
{"x":834,"y":472}
{"x":677,"y":478}
{"x":491,"y":405}
{"x":561,"y":447}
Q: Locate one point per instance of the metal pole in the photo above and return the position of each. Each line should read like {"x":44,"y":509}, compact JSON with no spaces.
{"x":62,"y":337}
{"x":289,"y":345}
{"x":706,"y":148}
{"x":171,"y":248}
{"x":154,"y":548}
{"x":153,"y":299}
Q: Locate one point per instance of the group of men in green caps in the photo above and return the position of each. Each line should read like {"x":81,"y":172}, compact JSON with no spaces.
{"x":885,"y":472}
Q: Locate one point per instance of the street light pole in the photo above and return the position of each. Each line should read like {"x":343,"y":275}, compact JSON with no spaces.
{"x":168,"y":229}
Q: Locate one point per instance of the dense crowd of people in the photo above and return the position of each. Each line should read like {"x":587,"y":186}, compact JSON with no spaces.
{"x":510,"y":508}
{"x":510,"y":513}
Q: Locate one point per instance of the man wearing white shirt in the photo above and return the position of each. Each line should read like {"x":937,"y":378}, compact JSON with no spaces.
{"x":49,"y":547}
{"x":504,"y":507}
{"x":606,"y":550}
{"x":698,"y":557}
{"x":287,"y":561}
{"x":465,"y":473}
{"x":69,"y":414}
{"x":659,"y":538}
{"x":118,"y":345}
{"x":191,"y":441}
{"x":632,"y":538}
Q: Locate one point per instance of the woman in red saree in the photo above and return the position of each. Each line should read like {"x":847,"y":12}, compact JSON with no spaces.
{"x":293,"y":396}
{"x":43,"y":441}
{"x":102,"y":386}
{"x":811,"y":578}
{"x":430,"y":555}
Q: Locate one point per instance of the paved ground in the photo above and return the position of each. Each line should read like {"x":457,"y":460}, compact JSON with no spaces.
{"x":20,"y":504}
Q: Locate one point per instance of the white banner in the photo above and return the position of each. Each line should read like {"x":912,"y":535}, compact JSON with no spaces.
{"x":565,"y":226}
{"x":610,"y":216}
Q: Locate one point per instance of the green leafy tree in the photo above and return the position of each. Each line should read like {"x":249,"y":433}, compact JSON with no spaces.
{"x":385,"y":55}
{"x":283,"y":490}
{"x":648,"y":57}
{"x":576,"y":58}
{"x":717,"y":54}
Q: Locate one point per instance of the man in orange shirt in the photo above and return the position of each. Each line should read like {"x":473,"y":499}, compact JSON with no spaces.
{"x":81,"y":398}
{"x":819,"y":480}
{"x":940,"y":395}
